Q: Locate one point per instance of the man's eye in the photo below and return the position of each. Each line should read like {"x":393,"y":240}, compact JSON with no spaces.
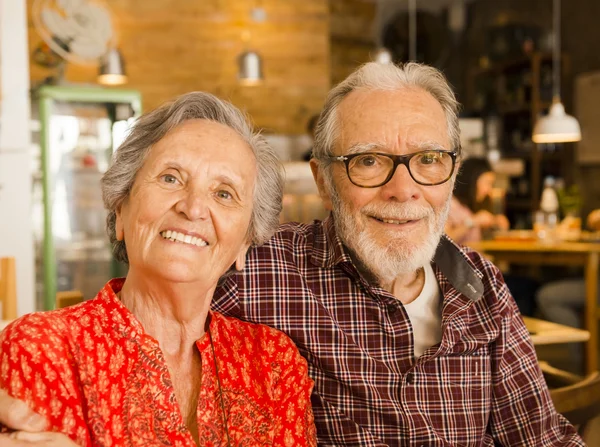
{"x":428,"y":158}
{"x":367,"y":161}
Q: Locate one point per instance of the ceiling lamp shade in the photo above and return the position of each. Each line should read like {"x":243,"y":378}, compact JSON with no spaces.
{"x":383,"y":56}
{"x":112,"y":69}
{"x":250,"y":68}
{"x":557,"y":126}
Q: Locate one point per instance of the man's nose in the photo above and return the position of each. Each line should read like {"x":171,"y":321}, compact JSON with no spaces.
{"x":401,"y":186}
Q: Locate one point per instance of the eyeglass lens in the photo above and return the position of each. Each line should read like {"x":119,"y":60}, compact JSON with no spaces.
{"x":427,"y":167}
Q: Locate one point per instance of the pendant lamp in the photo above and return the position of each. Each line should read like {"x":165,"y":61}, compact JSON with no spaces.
{"x":112,"y":68}
{"x":249,"y":61}
{"x":382,"y":54}
{"x":412,"y":30}
{"x":557,"y":126}
{"x":249,"y":68}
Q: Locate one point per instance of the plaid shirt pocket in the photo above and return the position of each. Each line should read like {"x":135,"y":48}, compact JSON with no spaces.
{"x":455,"y":392}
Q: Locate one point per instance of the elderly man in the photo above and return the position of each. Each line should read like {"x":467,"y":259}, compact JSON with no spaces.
{"x":410,"y":339}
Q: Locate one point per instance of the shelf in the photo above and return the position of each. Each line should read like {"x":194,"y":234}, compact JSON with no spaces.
{"x":517,"y":154}
{"x":517,"y":90}
{"x":518,"y":203}
{"x":510,"y":109}
{"x":498,"y":67}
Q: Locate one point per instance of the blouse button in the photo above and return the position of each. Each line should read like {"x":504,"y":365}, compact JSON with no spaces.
{"x":392,"y":309}
{"x":410,"y":378}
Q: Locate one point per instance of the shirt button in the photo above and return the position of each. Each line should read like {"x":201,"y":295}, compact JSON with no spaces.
{"x":392,"y":309}
{"x":410,"y":378}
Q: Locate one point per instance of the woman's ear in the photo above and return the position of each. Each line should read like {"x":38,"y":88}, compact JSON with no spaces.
{"x":119,"y":227}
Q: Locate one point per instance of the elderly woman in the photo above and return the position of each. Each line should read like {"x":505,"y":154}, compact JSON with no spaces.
{"x":146,"y":363}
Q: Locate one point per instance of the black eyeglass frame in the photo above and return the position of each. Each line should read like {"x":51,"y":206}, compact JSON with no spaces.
{"x":398,"y":160}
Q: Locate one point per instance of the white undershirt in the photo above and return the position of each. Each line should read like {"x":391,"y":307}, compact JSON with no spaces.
{"x":425,"y":314}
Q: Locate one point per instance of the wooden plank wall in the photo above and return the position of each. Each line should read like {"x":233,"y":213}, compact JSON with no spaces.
{"x":175,"y":46}
{"x":352,"y":36}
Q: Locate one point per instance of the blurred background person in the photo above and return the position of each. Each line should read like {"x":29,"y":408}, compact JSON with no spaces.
{"x":470,"y":218}
{"x":470,"y":215}
{"x":564,"y":301}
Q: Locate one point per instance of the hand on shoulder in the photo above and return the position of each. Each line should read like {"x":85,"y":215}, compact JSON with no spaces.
{"x":42,"y":439}
{"x":16,"y":415}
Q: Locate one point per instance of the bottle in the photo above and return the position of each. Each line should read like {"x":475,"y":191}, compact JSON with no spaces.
{"x":547,"y":217}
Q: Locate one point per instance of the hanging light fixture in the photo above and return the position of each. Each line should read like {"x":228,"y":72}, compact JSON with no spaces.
{"x":249,"y":61}
{"x":382,"y":55}
{"x":557,"y":126}
{"x":249,"y":68}
{"x":112,"y":68}
{"x":412,"y":30}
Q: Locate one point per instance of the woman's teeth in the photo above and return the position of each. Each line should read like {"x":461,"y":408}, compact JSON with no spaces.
{"x":184,"y":238}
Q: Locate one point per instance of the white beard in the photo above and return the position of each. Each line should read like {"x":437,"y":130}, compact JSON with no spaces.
{"x":396,"y":256}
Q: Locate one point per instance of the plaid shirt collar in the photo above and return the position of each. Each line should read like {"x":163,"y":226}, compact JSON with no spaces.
{"x":451,"y":260}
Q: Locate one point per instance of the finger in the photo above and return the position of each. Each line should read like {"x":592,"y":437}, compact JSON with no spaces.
{"x":45,"y":439}
{"x":33,"y":437}
{"x":16,"y":415}
{"x":10,"y":441}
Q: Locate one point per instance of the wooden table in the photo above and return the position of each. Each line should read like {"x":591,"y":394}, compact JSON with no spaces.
{"x":583,"y":254}
{"x":547,"y":333}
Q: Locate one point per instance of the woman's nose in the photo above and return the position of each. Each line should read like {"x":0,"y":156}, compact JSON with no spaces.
{"x":193,"y":205}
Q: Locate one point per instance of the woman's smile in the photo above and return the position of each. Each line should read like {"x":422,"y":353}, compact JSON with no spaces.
{"x":175,"y":236}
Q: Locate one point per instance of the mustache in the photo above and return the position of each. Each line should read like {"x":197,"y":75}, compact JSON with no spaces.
{"x":399,"y":211}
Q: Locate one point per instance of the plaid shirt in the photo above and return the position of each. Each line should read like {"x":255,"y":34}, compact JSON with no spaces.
{"x":481,"y":386}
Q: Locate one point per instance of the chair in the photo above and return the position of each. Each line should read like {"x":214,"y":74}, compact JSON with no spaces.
{"x":576,"y":398}
{"x":8,"y":288}
{"x":68,"y":298}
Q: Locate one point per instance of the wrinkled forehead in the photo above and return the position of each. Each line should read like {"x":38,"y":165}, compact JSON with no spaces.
{"x":399,"y":119}
{"x":204,"y":147}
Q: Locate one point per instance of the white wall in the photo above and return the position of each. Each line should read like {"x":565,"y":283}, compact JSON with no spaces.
{"x":15,"y":159}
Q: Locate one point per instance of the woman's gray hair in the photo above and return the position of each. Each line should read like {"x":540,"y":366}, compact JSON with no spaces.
{"x":118,"y":180}
{"x":376,"y":76}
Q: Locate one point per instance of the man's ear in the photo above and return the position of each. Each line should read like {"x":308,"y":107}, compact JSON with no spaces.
{"x":240,"y":261}
{"x":320,"y":181}
{"x":455,"y":174}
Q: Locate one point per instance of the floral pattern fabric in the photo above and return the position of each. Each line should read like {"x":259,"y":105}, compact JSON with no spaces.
{"x":99,"y":378}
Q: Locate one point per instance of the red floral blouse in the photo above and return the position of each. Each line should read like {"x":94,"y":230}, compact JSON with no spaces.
{"x":99,"y":378}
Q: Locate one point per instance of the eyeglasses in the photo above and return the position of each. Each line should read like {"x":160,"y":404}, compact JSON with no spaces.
{"x":374,"y":169}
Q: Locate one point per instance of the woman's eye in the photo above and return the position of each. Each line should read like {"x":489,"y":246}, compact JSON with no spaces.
{"x":168,"y":178}
{"x":224,"y":194}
